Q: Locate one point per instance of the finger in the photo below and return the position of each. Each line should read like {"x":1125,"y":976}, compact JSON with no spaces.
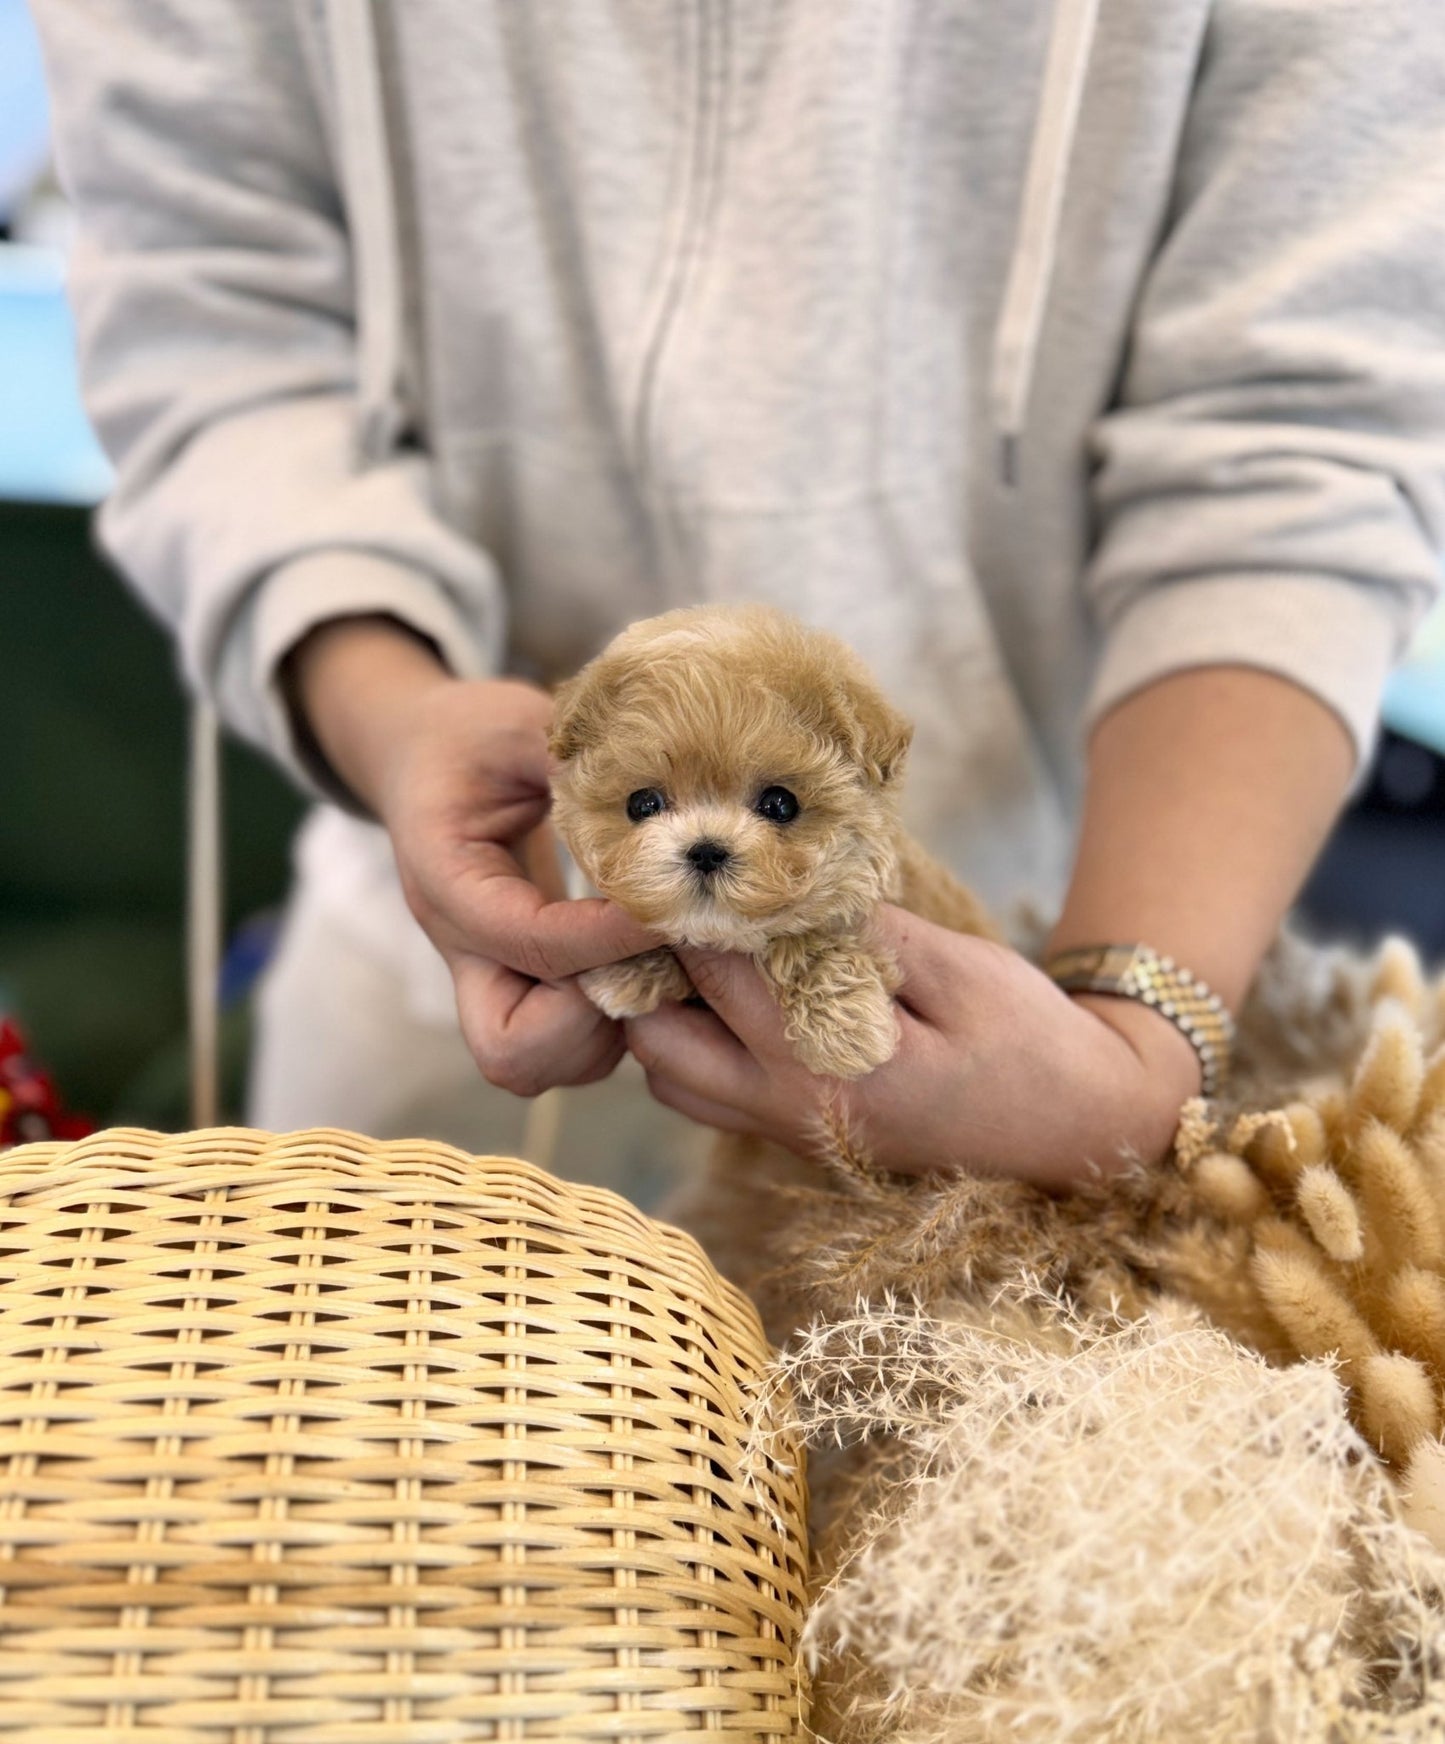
{"x":493,"y":910}
{"x":542,"y":864}
{"x":698,"y":1108}
{"x":526,"y":1036}
{"x":737,"y":993}
{"x":596,"y":1056}
{"x":696,"y":1051}
{"x":606,"y":1063}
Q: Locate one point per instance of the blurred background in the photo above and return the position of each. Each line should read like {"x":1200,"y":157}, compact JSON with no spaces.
{"x":92,"y":733}
{"x":92,"y":719}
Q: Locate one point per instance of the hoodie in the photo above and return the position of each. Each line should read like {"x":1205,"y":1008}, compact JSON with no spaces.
{"x":1039,"y":350}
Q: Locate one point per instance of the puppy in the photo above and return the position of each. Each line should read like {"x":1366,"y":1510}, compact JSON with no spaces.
{"x":730,"y":777}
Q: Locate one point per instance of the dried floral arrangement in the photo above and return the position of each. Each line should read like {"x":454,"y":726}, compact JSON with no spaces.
{"x":1158,"y":1461}
{"x":1322,"y":1224}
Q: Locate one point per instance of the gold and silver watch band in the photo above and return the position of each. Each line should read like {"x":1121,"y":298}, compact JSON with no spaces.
{"x":1137,"y":972}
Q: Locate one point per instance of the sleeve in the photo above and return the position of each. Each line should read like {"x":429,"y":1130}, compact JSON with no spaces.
{"x":213,"y":286}
{"x":1270,"y":484}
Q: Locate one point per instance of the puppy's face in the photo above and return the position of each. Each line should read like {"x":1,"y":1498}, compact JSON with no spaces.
{"x":726,"y":776}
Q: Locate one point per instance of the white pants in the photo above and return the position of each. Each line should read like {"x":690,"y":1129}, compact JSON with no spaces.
{"x":355,"y":1029}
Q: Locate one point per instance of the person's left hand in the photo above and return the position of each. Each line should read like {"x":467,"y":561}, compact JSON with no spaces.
{"x":996,"y":1072}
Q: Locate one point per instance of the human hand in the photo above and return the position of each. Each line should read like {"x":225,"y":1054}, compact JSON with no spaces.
{"x":457,"y":771}
{"x":996,"y":1071}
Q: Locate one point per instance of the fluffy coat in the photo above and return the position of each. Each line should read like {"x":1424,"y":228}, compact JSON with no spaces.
{"x":705,"y":717}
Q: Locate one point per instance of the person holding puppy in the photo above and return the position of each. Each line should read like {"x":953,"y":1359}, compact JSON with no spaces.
{"x":1084,"y":370}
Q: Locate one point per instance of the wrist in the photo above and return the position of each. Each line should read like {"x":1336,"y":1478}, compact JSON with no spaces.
{"x":1165,"y":1054}
{"x":1162,"y":1071}
{"x":351,"y":683}
{"x":1137,"y":973}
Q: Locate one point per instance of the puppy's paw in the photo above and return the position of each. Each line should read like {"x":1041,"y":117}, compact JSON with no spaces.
{"x":637,"y":985}
{"x":852,"y":1034}
{"x":837,"y":1004}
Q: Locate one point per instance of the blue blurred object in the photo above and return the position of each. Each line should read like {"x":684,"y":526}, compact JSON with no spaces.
{"x":1415,"y":699}
{"x":24,"y":119}
{"x":248,"y":951}
{"x":47,"y":450}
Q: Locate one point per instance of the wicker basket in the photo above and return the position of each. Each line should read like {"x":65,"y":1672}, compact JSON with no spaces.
{"x":313,"y":1440}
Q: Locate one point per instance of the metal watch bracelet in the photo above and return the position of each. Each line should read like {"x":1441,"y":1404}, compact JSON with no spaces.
{"x":1138,"y":972}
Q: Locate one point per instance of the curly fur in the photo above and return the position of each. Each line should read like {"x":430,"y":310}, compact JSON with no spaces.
{"x":709,"y":708}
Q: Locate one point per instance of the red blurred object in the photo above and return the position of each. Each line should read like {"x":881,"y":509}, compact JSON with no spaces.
{"x":30,"y":1107}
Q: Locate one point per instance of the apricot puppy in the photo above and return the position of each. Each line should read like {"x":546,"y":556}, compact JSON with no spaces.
{"x":729,"y":777}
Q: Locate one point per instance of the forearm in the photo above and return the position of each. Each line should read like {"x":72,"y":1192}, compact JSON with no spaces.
{"x":1209,"y":795}
{"x":362,"y":687}
{"x":349,"y":684}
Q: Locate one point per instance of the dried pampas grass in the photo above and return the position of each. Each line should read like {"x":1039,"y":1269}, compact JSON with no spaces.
{"x":1099,"y":1530}
{"x":1158,"y":1461}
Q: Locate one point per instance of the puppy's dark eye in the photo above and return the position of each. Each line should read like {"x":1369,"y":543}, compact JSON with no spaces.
{"x":777,"y":805}
{"x":645,"y":803}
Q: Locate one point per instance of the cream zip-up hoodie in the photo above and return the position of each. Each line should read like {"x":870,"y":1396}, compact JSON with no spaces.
{"x":1039,"y":348}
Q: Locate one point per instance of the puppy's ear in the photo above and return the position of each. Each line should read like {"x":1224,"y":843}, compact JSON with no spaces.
{"x":579,"y":709}
{"x":872,"y":730}
{"x":886,"y":736}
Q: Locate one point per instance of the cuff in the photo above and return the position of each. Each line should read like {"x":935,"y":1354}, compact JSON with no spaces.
{"x":313,"y":590}
{"x":1330,"y":637}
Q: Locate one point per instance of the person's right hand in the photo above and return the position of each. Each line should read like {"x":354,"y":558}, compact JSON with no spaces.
{"x":457,"y":771}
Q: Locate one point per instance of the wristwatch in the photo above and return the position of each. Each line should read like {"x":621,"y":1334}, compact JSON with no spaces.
{"x":1139,"y":972}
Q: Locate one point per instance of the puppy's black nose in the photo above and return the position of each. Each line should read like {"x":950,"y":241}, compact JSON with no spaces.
{"x":708,"y":857}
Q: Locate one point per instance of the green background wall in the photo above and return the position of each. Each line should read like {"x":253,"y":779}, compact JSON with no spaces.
{"x":92,"y":800}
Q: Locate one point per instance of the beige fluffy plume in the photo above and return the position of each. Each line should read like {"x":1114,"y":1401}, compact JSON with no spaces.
{"x":1325,"y":1219}
{"x":1051,"y":1545}
{"x":1147,"y":1462}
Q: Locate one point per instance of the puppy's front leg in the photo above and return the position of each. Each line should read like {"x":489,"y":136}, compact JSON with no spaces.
{"x":837,"y":1001}
{"x":636,"y":985}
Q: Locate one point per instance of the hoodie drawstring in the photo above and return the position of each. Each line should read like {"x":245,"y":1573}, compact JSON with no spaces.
{"x":1036,"y":244}
{"x":369,"y":190}
{"x":372,"y":216}
{"x":204,"y":911}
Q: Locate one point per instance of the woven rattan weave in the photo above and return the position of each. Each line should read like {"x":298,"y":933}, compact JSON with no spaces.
{"x":312,"y":1440}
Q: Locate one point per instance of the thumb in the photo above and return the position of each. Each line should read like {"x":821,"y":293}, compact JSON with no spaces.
{"x":541,"y":863}
{"x":730,"y":984}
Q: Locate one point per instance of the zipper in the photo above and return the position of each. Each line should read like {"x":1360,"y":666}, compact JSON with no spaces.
{"x":700,"y":188}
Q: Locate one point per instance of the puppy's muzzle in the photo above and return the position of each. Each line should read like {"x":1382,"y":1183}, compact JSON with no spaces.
{"x":707,"y":858}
